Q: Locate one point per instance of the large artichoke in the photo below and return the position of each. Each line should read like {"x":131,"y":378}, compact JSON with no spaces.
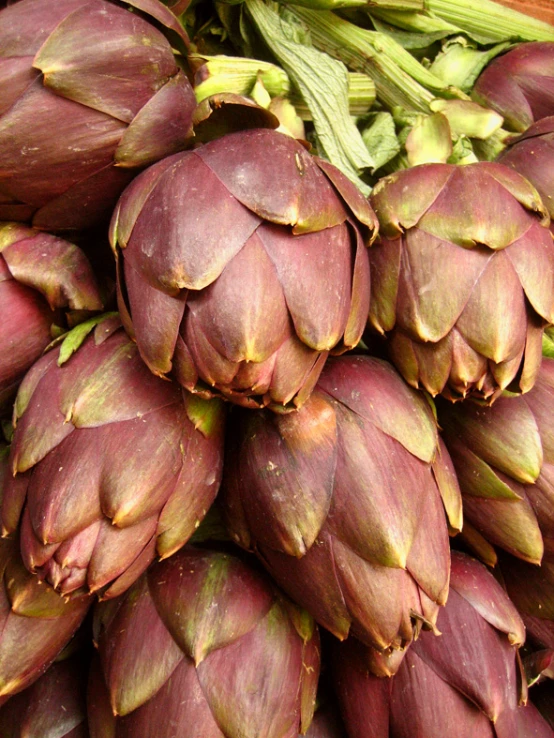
{"x":109,"y":465}
{"x":202,"y":646}
{"x":39,"y":276}
{"x":72,"y":132}
{"x":244,"y":263}
{"x":344,"y":502}
{"x":464,"y":277}
{"x":466,"y":682}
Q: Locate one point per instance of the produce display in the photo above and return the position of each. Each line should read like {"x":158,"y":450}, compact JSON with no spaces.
{"x":276,"y":369}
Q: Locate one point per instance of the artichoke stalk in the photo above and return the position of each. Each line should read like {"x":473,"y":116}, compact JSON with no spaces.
{"x":203,"y":645}
{"x":109,"y":465}
{"x":72,"y":133}
{"x":242,"y":265}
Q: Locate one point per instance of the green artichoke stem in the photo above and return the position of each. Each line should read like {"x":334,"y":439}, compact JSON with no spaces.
{"x":491,"y":21}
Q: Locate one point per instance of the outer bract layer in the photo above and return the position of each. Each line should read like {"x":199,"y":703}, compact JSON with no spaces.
{"x":53,"y":707}
{"x":202,"y":646}
{"x":72,"y":133}
{"x":244,"y":263}
{"x":344,"y":502}
{"x":40,"y":275}
{"x":464,"y":277}
{"x":532,"y":155}
{"x":35,"y":622}
{"x":109,"y":465}
{"x":519,"y":85}
{"x":504,"y":460}
{"x":465,"y":683}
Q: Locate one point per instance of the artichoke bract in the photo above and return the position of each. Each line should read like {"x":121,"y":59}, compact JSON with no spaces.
{"x":203,"y":645}
{"x":39,"y":276}
{"x":519,"y":85}
{"x":72,"y":132}
{"x":109,"y":465}
{"x":463,"y":278}
{"x":532,"y":155}
{"x":244,"y":263}
{"x":532,"y":590}
{"x":504,"y":460}
{"x":344,"y":501}
{"x":467,"y":682}
{"x":53,"y":707}
{"x":36,"y":623}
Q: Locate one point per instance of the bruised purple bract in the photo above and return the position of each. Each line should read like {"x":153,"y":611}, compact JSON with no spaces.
{"x":203,"y":645}
{"x":72,"y":133}
{"x":109,"y":465}
{"x":242,"y":265}
{"x":344,"y":502}
{"x":463,"y":278}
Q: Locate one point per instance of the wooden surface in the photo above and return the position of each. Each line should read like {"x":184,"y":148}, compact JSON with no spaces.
{"x":541,"y":9}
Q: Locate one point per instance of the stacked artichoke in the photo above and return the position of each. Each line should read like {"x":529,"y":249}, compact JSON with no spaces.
{"x":277,"y":453}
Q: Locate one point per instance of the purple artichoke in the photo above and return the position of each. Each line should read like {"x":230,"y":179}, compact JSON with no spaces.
{"x":464,"y":284}
{"x":344,"y":502}
{"x":53,"y":707}
{"x":109,"y":465}
{"x":532,"y":155}
{"x":39,"y":276}
{"x":203,"y":646}
{"x":519,"y":85}
{"x":466,"y":682}
{"x":35,"y":622}
{"x":72,"y":133}
{"x":504,"y":460}
{"x":244,"y":263}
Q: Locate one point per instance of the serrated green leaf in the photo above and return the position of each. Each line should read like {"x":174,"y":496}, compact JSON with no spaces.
{"x":379,"y":135}
{"x":322,"y":82}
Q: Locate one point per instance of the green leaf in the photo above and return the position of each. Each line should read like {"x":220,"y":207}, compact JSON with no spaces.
{"x":322,"y":82}
{"x":73,"y":340}
{"x":379,"y":135}
{"x":548,"y":343}
{"x":460,"y":63}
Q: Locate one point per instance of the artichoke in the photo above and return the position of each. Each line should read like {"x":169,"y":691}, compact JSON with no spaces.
{"x":109,"y":465}
{"x":464,"y":683}
{"x":532,"y":155}
{"x":53,"y":707}
{"x":39,"y":276}
{"x":519,"y":85}
{"x":464,"y":283}
{"x":244,"y":263}
{"x":35,"y":622}
{"x":504,"y":460}
{"x":203,"y":646}
{"x":72,"y":133}
{"x":344,"y":502}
